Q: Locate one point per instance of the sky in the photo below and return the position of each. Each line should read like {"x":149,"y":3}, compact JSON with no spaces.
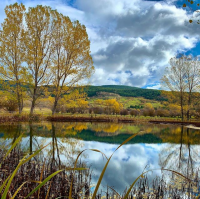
{"x":131,"y":40}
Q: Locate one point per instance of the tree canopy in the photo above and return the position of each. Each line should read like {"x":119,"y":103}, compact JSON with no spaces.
{"x":41,"y":47}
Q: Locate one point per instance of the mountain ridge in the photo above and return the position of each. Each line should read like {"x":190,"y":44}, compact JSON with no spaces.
{"x":126,"y":91}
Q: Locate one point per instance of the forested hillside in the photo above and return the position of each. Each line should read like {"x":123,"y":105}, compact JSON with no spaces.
{"x":126,"y":91}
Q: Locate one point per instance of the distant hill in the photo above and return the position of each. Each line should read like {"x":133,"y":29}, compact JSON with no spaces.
{"x":126,"y":91}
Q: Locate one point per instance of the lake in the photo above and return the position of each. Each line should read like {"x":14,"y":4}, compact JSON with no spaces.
{"x":155,"y":146}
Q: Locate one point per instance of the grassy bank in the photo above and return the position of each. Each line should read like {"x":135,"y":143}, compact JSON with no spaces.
{"x":10,"y":117}
{"x":21,"y":118}
{"x":89,"y":118}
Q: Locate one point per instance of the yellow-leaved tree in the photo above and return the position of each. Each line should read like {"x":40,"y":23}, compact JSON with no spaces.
{"x":54,"y":51}
{"x":113,"y":106}
{"x":12,"y":54}
{"x":71,"y":58}
{"x":40,"y":27}
{"x":75,"y":101}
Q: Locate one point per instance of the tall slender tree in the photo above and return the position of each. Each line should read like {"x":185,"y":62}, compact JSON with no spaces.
{"x":71,"y":59}
{"x":38,"y":41}
{"x":174,"y":79}
{"x":12,"y":52}
{"x":192,"y":79}
{"x":183,"y":79}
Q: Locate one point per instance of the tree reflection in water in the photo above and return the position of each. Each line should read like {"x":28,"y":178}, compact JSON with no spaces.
{"x":183,"y":158}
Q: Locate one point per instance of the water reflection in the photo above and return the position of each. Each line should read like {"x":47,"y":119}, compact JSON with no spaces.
{"x":62,"y":147}
{"x":158,"y":146}
{"x":183,"y":157}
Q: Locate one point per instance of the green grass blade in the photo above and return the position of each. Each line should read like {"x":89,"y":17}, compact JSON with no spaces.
{"x":13,"y":146}
{"x":4,"y":183}
{"x":77,"y":169}
{"x":124,"y":142}
{"x":48,"y":191}
{"x":99,"y":152}
{"x":100,"y":178}
{"x":96,"y":150}
{"x":105,"y":167}
{"x":129,"y":190}
{"x":70,"y":191}
{"x":114,"y":191}
{"x":10,"y":179}
{"x":41,"y":175}
{"x":177,"y":174}
{"x":17,"y":168}
{"x":44,"y":182}
{"x":18,"y":190}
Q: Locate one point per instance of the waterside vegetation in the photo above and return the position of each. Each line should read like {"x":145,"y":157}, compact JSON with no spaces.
{"x":77,"y":184}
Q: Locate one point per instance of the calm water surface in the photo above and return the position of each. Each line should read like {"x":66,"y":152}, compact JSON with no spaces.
{"x":155,"y":146}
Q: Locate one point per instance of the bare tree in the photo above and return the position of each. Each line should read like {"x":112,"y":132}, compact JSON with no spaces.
{"x":183,"y":79}
{"x":192,"y":79}
{"x":174,"y":80}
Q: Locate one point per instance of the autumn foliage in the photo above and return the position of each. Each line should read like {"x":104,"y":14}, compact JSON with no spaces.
{"x":41,"y":47}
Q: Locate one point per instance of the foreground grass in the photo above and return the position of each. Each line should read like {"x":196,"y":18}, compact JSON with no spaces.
{"x":9,"y":190}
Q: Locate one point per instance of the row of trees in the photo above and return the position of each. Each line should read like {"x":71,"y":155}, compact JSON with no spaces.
{"x":70,"y":104}
{"x":182,"y":78}
{"x":41,"y":47}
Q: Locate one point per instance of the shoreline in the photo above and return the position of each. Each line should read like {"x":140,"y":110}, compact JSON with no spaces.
{"x":190,"y":124}
{"x":88,"y":119}
{"x":72,"y":118}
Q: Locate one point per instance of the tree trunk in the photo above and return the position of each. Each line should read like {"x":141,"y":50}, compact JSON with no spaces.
{"x":32,"y":106}
{"x":55,"y":105}
{"x":181,"y":142}
{"x":181,"y":106}
{"x":31,"y":139}
{"x":33,"y":102}
{"x":53,"y":161}
{"x":190,"y":166}
{"x":19,"y":99}
{"x":189,"y":104}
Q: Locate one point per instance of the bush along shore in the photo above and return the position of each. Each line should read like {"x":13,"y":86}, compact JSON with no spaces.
{"x":21,"y":118}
